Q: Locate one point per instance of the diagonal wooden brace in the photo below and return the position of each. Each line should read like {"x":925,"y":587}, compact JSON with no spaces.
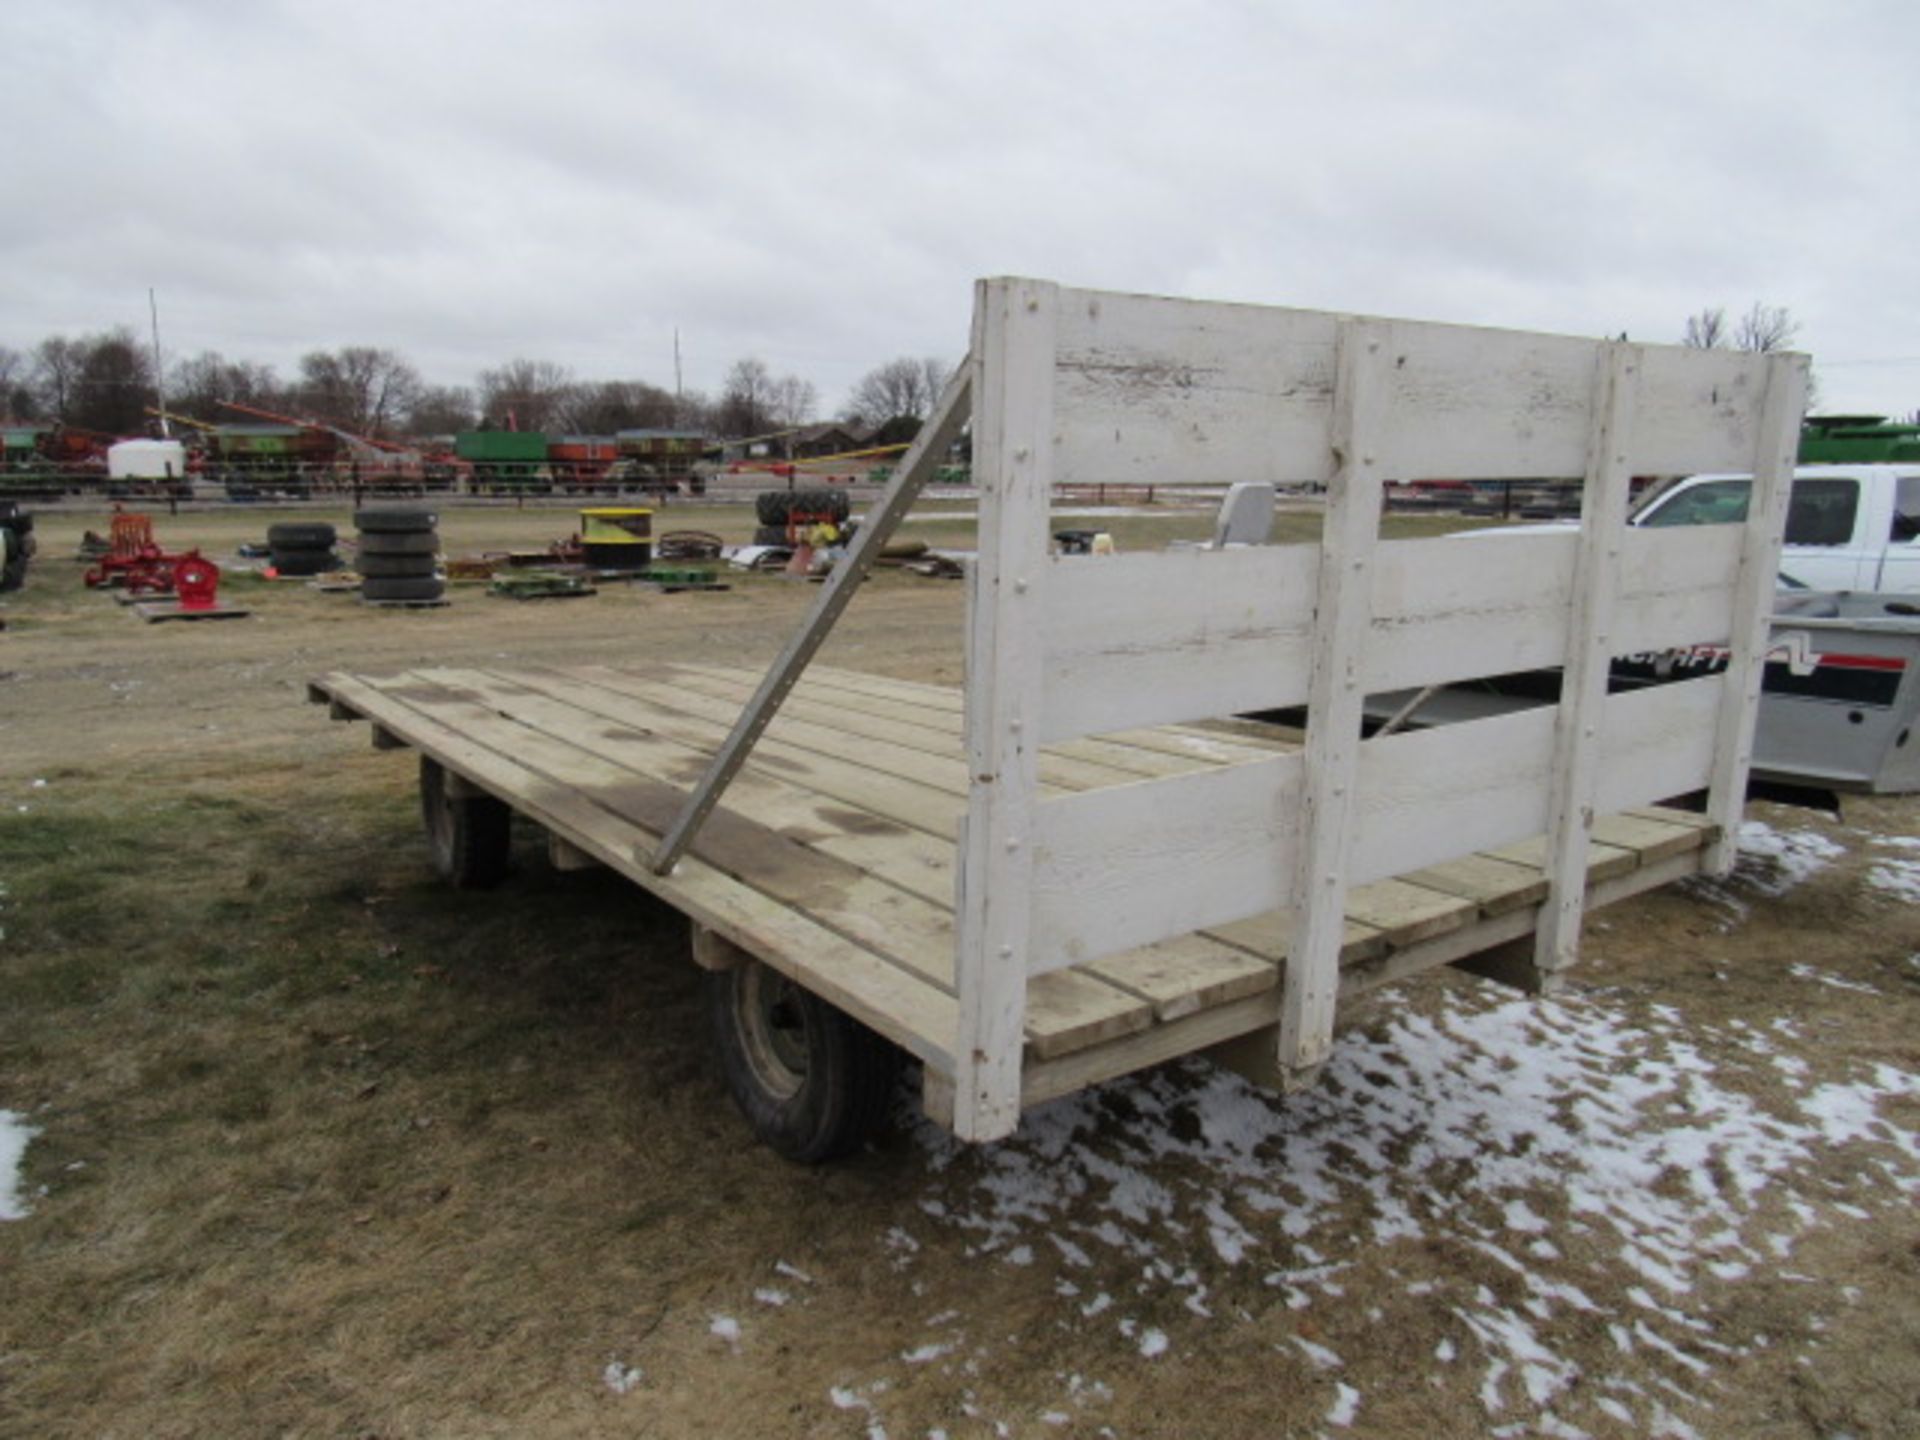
{"x":940,"y":431}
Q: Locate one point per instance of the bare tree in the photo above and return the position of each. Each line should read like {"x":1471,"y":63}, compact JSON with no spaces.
{"x":1706,"y":330}
{"x":115,"y":386}
{"x":605,"y":406}
{"x":746,"y":399}
{"x":901,"y":387}
{"x":1765,"y":328}
{"x":442,"y":410}
{"x":529,"y":394}
{"x":16,"y":391}
{"x":792,"y":401}
{"x":196,"y":386}
{"x":57,"y":361}
{"x":359,"y":388}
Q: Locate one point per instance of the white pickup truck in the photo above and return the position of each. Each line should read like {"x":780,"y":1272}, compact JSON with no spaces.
{"x":1849,"y":527}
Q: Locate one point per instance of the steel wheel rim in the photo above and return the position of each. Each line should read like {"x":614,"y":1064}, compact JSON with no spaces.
{"x":773,"y":1031}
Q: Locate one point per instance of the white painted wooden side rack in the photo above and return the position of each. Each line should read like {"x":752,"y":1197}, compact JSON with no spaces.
{"x":1055,"y":877}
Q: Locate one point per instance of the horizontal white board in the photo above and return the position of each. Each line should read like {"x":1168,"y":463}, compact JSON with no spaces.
{"x":1148,"y":639}
{"x":1161,"y":858}
{"x":1154,"y":638}
{"x":1133,"y":864}
{"x":1161,"y":390}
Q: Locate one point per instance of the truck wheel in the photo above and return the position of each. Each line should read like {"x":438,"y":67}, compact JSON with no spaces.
{"x":470,"y":837}
{"x":812,"y":1082}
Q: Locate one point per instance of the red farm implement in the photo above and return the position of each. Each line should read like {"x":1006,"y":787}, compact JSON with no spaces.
{"x":135,"y":562}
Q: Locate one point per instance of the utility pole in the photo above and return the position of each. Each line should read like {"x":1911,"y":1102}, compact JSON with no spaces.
{"x":159,"y":383}
{"x":679,"y":405}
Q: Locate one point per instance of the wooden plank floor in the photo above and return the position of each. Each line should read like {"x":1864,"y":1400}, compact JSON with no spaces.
{"x":832,"y":854}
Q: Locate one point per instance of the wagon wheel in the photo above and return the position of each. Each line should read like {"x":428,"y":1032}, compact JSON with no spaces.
{"x":812,"y":1082}
{"x":470,"y":836}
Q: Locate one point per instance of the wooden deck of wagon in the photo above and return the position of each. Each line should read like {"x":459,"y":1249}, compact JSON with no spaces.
{"x":832,"y":857}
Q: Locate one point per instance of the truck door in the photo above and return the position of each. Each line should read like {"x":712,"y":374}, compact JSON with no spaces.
{"x":1901,"y":569}
{"x":1826,"y":547}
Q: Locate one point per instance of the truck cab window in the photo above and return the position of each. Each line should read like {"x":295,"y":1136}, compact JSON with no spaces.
{"x":1906,"y":508}
{"x":1718,"y":502}
{"x":1821,"y":512}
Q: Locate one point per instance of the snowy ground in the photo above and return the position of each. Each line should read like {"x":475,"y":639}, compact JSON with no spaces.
{"x":1609,"y":1169}
{"x":14,"y":1135}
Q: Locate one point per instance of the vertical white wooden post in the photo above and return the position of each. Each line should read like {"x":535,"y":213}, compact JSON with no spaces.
{"x":1776,"y":443}
{"x":1014,"y":344}
{"x":1342,"y":615}
{"x":1583,"y":682}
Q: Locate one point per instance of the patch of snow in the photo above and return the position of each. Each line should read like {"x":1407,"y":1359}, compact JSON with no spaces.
{"x":1153,"y":1342}
{"x":14,"y":1135}
{"x":1465,"y":1123}
{"x":767,"y":1295}
{"x":781,"y":1267}
{"x":1320,"y":1355}
{"x":1898,"y":878}
{"x":1346,"y":1404}
{"x":726,"y":1328}
{"x":621,"y":1379}
{"x":1770,"y":863}
{"x":1822,"y":977}
{"x":923,"y":1354}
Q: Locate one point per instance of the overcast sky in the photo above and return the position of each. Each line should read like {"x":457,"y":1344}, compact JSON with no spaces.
{"x":819,"y":184}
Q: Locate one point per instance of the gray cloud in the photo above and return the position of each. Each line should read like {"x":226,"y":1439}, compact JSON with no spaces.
{"x":818,"y":184}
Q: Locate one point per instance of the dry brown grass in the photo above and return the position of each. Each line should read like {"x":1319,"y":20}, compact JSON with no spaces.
{"x":327,"y":1150}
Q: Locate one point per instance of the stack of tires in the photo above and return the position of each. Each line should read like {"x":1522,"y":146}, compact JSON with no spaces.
{"x":774,"y":508}
{"x":302,"y":548}
{"x":398,"y":549}
{"x":16,"y":544}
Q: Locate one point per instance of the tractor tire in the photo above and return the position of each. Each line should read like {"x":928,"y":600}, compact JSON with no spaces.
{"x":770,"y":507}
{"x":381,"y":542}
{"x":812,"y":1082}
{"x":470,"y":838}
{"x":395,"y":520}
{"x":396,"y":567}
{"x":831,"y":503}
{"x":771,"y":535}
{"x":410,"y":587}
{"x":13,"y":574}
{"x":300,"y":536}
{"x":304,"y":561}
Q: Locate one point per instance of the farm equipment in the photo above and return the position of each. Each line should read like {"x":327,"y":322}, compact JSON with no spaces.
{"x":135,"y":562}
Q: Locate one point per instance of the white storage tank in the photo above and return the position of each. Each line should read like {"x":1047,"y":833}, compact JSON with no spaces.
{"x":147,"y":460}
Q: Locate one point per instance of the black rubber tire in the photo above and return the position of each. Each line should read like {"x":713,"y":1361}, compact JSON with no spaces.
{"x":812,"y":1082}
{"x":831,"y":503}
{"x":410,"y":587}
{"x":14,"y":573}
{"x":770,"y":507}
{"x":770,"y":535}
{"x":300,"y":535}
{"x":396,"y":567}
{"x":419,"y":542}
{"x":304,"y":562}
{"x":470,"y":839}
{"x":395,"y":519}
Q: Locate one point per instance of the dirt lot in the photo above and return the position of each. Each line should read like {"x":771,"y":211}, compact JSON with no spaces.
{"x":319,"y":1148}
